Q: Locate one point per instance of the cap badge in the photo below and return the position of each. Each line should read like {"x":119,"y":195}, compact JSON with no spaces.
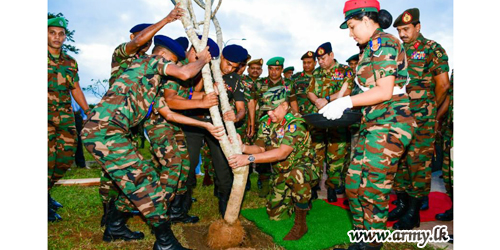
{"x":260,"y":61}
{"x":407,"y":17}
{"x":277,"y":62}
{"x":61,"y":23}
{"x":321,"y":51}
{"x":309,"y":53}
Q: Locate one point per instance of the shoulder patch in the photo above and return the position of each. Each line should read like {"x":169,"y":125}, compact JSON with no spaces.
{"x":375,"y":44}
{"x":292,"y":128}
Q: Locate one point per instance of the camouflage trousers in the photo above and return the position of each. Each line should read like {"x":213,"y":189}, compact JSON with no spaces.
{"x":371,"y":173}
{"x":447,"y":161}
{"x":61,"y":144}
{"x":206,"y":160}
{"x":138,"y":182}
{"x":288,"y":190}
{"x":169,"y":148}
{"x":414,"y":172}
{"x":330,"y":145}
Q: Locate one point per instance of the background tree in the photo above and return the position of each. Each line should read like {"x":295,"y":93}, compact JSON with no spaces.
{"x":69,"y":35}
{"x":98,"y":88}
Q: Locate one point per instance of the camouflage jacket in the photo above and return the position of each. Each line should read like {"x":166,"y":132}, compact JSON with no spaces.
{"x":301,"y":81}
{"x":426,"y":59}
{"x":120,"y":61}
{"x":62,"y":75}
{"x":382,"y":56}
{"x":127,"y":101}
{"x":262,"y":85}
{"x":292,"y":132}
{"x":328,"y":82}
{"x":249,"y":84}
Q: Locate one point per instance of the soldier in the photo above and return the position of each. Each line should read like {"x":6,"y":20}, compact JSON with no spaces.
{"x":168,"y":142}
{"x":107,"y":137}
{"x":388,"y":124}
{"x":444,"y":126}
{"x":63,"y":82}
{"x":301,"y":81}
{"x":123,"y":55}
{"x":254,"y":71}
{"x":288,"y":72}
{"x":283,"y":141}
{"x":428,"y":69}
{"x":275,"y":68}
{"x":232,"y":56}
{"x":330,"y":144}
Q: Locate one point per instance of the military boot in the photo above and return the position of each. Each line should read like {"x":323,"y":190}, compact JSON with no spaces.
{"x":105,"y":212}
{"x":411,"y":218}
{"x":331,"y":195}
{"x":116,"y":227}
{"x":179,"y":209}
{"x":165,"y":238}
{"x":299,"y":227}
{"x":446,"y":216}
{"x":425,"y":203}
{"x":401,"y":206}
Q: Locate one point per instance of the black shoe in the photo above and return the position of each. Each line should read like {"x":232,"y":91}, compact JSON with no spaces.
{"x":425,"y":203}
{"x":53,"y":216}
{"x":179,"y":208}
{"x":104,"y":213}
{"x":411,"y":218}
{"x":346,"y":202}
{"x":340,"y":189}
{"x":54,"y":204}
{"x":395,"y":202}
{"x":331,"y":195}
{"x":165,"y":238}
{"x":116,"y":227}
{"x":446,"y":216}
{"x":451,"y":238}
{"x":402,"y":203}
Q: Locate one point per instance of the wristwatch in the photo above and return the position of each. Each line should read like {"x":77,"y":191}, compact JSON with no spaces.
{"x":327,"y":98}
{"x":251,"y":158}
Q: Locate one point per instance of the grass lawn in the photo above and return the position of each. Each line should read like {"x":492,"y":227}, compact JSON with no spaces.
{"x":82,"y":211}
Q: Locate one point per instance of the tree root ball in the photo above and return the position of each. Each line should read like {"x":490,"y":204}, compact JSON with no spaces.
{"x":222,"y":235}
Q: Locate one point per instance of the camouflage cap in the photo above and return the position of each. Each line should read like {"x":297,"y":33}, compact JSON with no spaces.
{"x":407,"y":17}
{"x":308,"y":54}
{"x":256,"y":61}
{"x":272,"y":98}
{"x":353,"y":57}
{"x":276,"y":61}
{"x":58,"y":22}
{"x":290,"y":68}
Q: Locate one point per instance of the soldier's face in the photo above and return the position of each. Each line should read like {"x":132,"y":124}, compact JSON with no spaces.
{"x":326,"y":61}
{"x":278,"y":113}
{"x":359,"y":30}
{"x":227,"y":67}
{"x":408,"y":33}
{"x":168,"y":55}
{"x":288,"y":74}
{"x":191,"y":55}
{"x":56,"y":37}
{"x":254,"y":70}
{"x":353,"y":64}
{"x":308,"y":64}
{"x":275,"y":72}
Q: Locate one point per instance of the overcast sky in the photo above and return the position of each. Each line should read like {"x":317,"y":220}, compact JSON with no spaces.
{"x":286,"y":28}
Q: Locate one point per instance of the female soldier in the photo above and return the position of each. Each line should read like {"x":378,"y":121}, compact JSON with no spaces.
{"x":387,"y":126}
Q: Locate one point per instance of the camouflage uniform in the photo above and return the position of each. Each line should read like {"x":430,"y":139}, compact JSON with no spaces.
{"x":330,"y":143}
{"x":446,"y":140}
{"x":301,"y":81}
{"x":292,"y":178}
{"x":385,"y":131}
{"x":248,"y":85}
{"x":106,"y":135}
{"x":62,"y":74}
{"x":426,"y":59}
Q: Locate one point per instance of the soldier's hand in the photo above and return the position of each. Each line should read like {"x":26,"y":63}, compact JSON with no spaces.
{"x":204,"y":55}
{"x":209,"y":100}
{"x":320,"y":103}
{"x":217,"y":132}
{"x":216,"y":88}
{"x":229,"y":116}
{"x":176,"y":13}
{"x":236,"y":161}
{"x":250,"y":130}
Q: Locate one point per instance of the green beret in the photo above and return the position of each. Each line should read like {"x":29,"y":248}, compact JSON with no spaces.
{"x":272,"y":98}
{"x":408,"y":16}
{"x":276,"y":61}
{"x":58,"y":22}
{"x":353,"y":57}
{"x":291,"y":68}
{"x":256,"y":61}
{"x":308,"y":54}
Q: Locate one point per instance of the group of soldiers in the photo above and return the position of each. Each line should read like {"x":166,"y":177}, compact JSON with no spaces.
{"x":164,"y":93}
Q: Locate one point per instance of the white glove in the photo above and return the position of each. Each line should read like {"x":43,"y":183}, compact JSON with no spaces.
{"x":334,"y":110}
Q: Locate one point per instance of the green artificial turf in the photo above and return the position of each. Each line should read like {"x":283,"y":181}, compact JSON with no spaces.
{"x":327,"y":224}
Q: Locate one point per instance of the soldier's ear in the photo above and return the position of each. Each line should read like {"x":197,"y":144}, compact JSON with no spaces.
{"x":132,"y":36}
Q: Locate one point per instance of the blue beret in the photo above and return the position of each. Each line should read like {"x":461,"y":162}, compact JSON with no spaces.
{"x":183,"y":41}
{"x":324,"y":48}
{"x":235,"y":53}
{"x":170,"y":44}
{"x":139,"y":27}
{"x":212,"y":47}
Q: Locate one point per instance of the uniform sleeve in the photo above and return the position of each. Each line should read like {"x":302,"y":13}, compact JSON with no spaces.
{"x":349,"y":78}
{"x":239,"y":93}
{"x":384,"y":60}
{"x":261,"y":137}
{"x":120,"y":54}
{"x":295,"y":133}
{"x":439,"y":60}
{"x":291,"y":91}
{"x":72,"y":74}
{"x":161,"y":66}
{"x":312,"y":85}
